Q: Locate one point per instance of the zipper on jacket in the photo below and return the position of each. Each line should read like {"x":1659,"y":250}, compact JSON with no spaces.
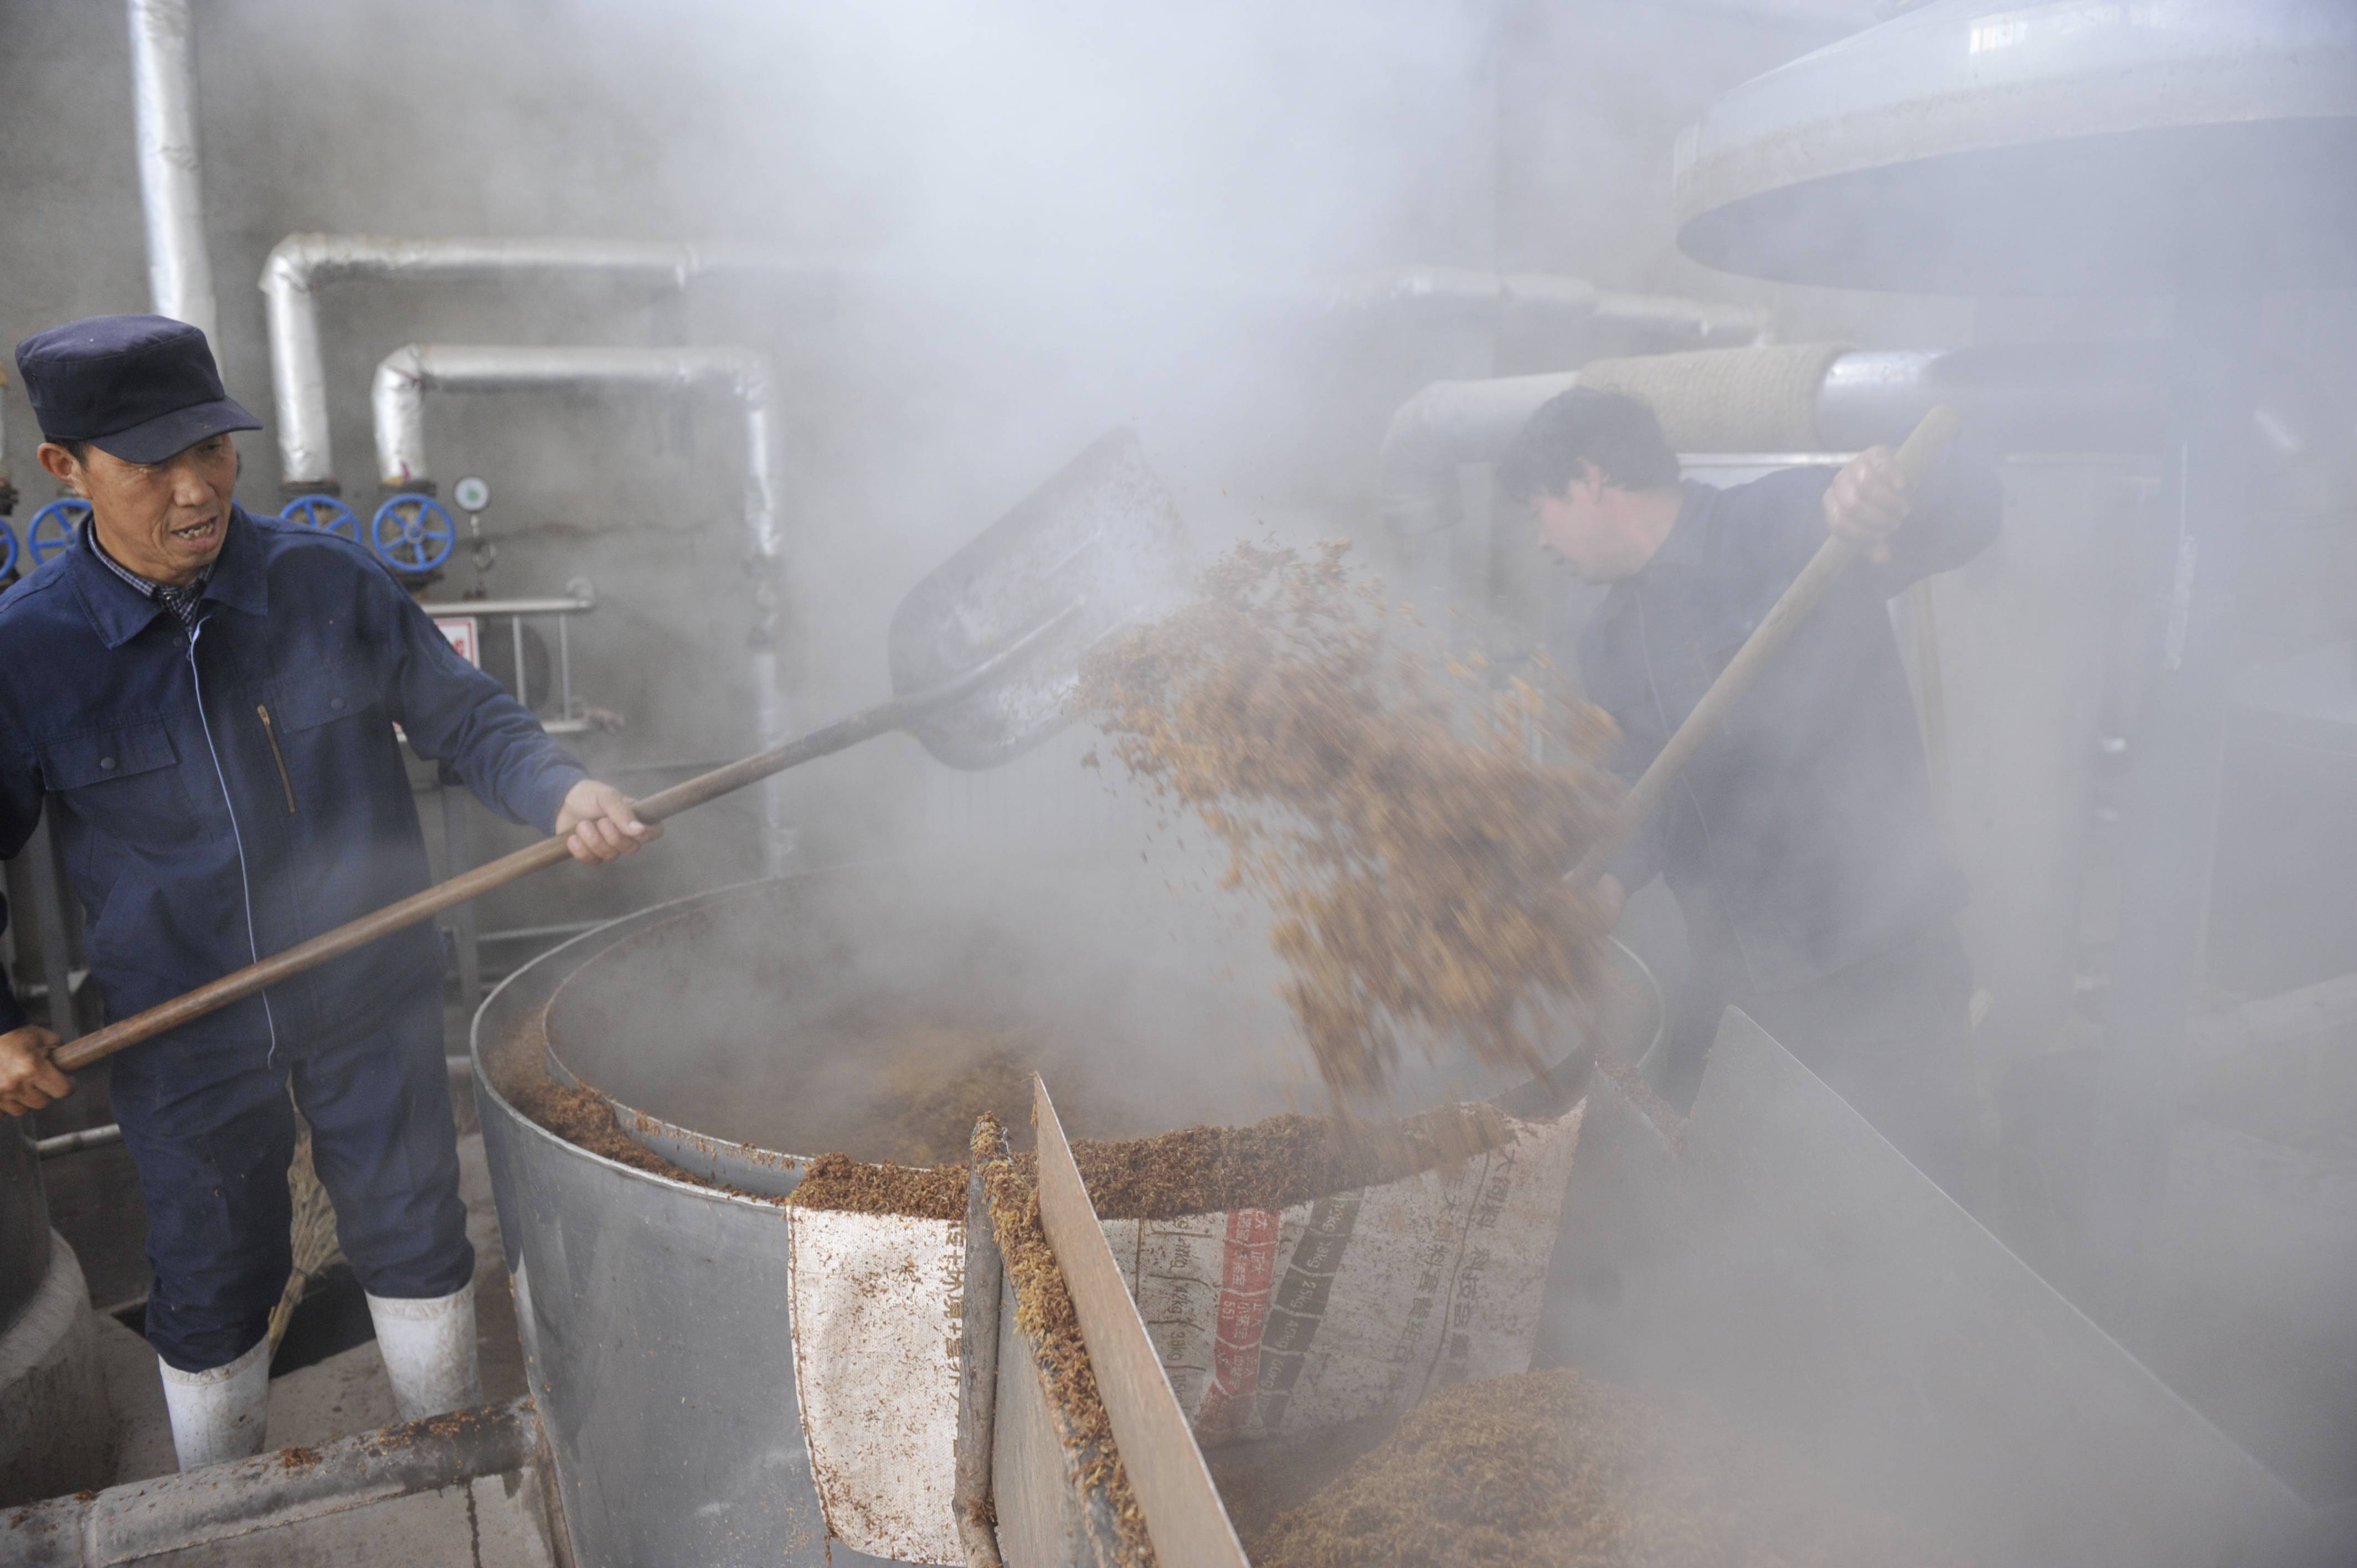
{"x":270,"y":733}
{"x":237,"y":836}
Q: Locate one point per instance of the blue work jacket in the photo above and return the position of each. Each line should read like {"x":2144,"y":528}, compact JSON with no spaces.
{"x":1801,"y":837}
{"x":222,"y":794}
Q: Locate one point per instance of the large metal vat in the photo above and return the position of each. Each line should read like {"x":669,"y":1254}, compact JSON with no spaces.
{"x":1790,"y":1264}
{"x":653,"y":1311}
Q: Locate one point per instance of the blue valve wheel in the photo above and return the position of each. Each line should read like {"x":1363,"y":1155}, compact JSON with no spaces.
{"x":325,"y":513}
{"x":53,"y":527}
{"x":7,"y":549}
{"x":412,"y":533}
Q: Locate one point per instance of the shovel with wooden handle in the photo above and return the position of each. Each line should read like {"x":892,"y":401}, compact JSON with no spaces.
{"x":983,"y":652}
{"x":1916,"y":455}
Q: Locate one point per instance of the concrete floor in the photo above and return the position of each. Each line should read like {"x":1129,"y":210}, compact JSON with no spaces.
{"x":495,"y":1521}
{"x":345,"y":1393}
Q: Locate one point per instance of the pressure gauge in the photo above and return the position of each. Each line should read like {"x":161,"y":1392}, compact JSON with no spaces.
{"x":471,"y":494}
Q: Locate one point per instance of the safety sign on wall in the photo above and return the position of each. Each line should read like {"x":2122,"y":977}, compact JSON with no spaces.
{"x":463,"y":632}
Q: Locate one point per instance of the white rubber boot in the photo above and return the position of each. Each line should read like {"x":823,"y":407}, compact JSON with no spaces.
{"x":220,"y":1414}
{"x":429,"y":1352}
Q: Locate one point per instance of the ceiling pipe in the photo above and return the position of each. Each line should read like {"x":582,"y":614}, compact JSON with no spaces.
{"x":171,"y":188}
{"x":408,"y":373}
{"x":301,"y":265}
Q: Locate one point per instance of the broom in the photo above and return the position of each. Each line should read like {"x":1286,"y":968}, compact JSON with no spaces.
{"x":313,"y":1233}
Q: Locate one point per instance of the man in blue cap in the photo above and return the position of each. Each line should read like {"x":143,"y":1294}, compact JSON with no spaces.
{"x":210,"y":716}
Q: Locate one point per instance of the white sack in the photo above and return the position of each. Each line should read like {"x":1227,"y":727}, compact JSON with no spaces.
{"x":876,"y":1300}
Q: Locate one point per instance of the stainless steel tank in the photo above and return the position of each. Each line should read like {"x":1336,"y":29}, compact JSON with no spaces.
{"x":56,"y":1435}
{"x":24,"y":1223}
{"x":653,"y":1311}
{"x":2069,"y":146}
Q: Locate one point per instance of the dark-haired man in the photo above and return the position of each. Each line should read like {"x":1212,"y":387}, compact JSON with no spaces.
{"x":1800,"y":841}
{"x":208,"y":717}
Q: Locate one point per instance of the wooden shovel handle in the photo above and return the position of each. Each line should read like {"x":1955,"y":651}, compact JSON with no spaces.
{"x":468,"y":884}
{"x":1833,"y":557}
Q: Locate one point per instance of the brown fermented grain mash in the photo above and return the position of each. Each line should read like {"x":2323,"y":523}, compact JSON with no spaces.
{"x":1550,"y":1470}
{"x":1411,"y":830}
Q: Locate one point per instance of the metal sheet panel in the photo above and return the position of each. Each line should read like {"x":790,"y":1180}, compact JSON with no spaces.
{"x":654,"y":1321}
{"x":1795,"y":1269}
{"x":1042,"y":1522}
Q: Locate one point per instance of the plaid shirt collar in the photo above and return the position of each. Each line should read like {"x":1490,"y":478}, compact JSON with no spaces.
{"x":181,"y":600}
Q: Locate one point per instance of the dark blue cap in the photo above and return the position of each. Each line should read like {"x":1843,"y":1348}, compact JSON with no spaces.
{"x":141,"y":387}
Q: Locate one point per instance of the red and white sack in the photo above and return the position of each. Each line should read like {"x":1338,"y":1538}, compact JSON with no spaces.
{"x":1357,"y":1303}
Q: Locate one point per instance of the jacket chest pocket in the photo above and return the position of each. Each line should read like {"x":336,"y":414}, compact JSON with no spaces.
{"x":302,"y":727}
{"x":317,"y":698}
{"x":127,"y":782}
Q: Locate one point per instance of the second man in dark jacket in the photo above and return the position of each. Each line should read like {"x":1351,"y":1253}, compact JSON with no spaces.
{"x":1800,"y":841}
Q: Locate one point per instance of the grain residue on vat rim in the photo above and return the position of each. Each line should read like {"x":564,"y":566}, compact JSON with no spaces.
{"x":1273,"y":1164}
{"x":1051,"y":1329}
{"x":583,"y":1116}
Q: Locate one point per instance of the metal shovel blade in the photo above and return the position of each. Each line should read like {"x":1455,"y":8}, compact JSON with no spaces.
{"x":1096,"y":549}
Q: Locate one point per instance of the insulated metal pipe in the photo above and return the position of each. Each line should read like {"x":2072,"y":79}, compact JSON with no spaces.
{"x":224,"y":1506}
{"x":2013,"y":397}
{"x":406,"y":375}
{"x":301,"y":265}
{"x":74,"y":1142}
{"x":1550,"y":299}
{"x":2094,"y":397}
{"x":2029,"y":398}
{"x":171,"y":189}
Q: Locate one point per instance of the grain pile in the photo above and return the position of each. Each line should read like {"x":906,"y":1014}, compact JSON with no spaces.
{"x":1398,"y":819}
{"x":1550,"y":1470}
{"x":940,"y":1078}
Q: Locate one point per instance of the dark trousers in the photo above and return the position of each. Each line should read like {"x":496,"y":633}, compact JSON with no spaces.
{"x":1888,"y":1034}
{"x":213,"y":1157}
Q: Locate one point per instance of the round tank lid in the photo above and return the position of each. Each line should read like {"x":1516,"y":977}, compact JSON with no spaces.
{"x":2075,"y":147}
